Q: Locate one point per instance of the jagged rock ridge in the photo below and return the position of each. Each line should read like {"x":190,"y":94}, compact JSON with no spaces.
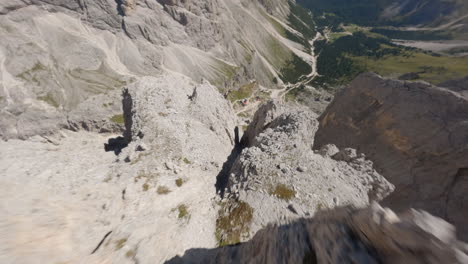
{"x":279,"y":177}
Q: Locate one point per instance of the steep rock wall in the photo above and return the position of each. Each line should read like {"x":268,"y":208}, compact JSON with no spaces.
{"x":417,"y":136}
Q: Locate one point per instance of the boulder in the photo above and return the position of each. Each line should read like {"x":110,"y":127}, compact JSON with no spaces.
{"x":345,"y":235}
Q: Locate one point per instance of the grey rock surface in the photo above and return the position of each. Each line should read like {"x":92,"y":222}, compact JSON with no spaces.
{"x":415,"y":133}
{"x":62,"y":195}
{"x":345,"y":235}
{"x":459,"y":85}
{"x":278,"y":168}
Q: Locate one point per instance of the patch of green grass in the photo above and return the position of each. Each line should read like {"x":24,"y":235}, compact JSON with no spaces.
{"x":179,"y":182}
{"x":300,"y":94}
{"x":413,"y":34}
{"x":162,"y":190}
{"x":49,"y":98}
{"x":130,"y":254}
{"x":108,"y":104}
{"x":301,"y":20}
{"x":145,"y":175}
{"x":187,"y":161}
{"x":294,"y":69}
{"x":283,"y":192}
{"x":244,"y":91}
{"x":433,"y":69}
{"x":278,"y":27}
{"x":234,"y":224}
{"x":295,"y":23}
{"x":183,"y":211}
{"x":336,"y":35}
{"x":118,"y":119}
{"x":224,"y":73}
{"x":31,"y":74}
{"x":38,"y":67}
{"x":320,"y":206}
{"x":139,"y":158}
{"x":352,"y":28}
{"x":98,"y":81}
{"x":278,"y":54}
{"x":120,"y":243}
{"x":108,"y":179}
{"x":243,"y":115}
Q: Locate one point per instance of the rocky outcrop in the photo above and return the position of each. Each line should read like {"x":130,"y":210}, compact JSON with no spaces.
{"x":161,"y":110}
{"x":415,"y":133}
{"x":67,"y":200}
{"x":280,"y":177}
{"x":459,"y":85}
{"x":346,"y":235}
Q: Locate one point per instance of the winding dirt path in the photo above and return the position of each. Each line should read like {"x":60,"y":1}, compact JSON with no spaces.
{"x":280,"y":93}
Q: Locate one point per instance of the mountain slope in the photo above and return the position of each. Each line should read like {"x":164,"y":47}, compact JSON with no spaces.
{"x":428,"y":13}
{"x":63,"y":63}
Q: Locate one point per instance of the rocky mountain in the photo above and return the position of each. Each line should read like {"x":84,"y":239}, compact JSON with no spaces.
{"x":278,"y":177}
{"x":152,"y":131}
{"x":415,"y":133}
{"x":64,"y":63}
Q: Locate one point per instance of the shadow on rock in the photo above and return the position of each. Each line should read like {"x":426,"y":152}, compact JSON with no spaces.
{"x":345,"y":235}
{"x":116,"y":144}
{"x":223,"y":176}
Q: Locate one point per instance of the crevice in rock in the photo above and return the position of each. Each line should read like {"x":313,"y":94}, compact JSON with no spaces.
{"x":127,"y":106}
{"x":124,"y":28}
{"x":102,"y":241}
{"x":463,"y":172}
{"x":118,"y":143}
{"x":223,"y":176}
{"x":310,"y":256}
{"x":120,"y":11}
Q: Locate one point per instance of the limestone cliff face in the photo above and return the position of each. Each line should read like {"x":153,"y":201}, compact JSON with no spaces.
{"x":417,"y":136}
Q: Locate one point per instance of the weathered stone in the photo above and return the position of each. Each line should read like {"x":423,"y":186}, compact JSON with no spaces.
{"x":345,"y":235}
{"x":328,"y":150}
{"x":415,"y":133}
{"x":266,"y":165}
